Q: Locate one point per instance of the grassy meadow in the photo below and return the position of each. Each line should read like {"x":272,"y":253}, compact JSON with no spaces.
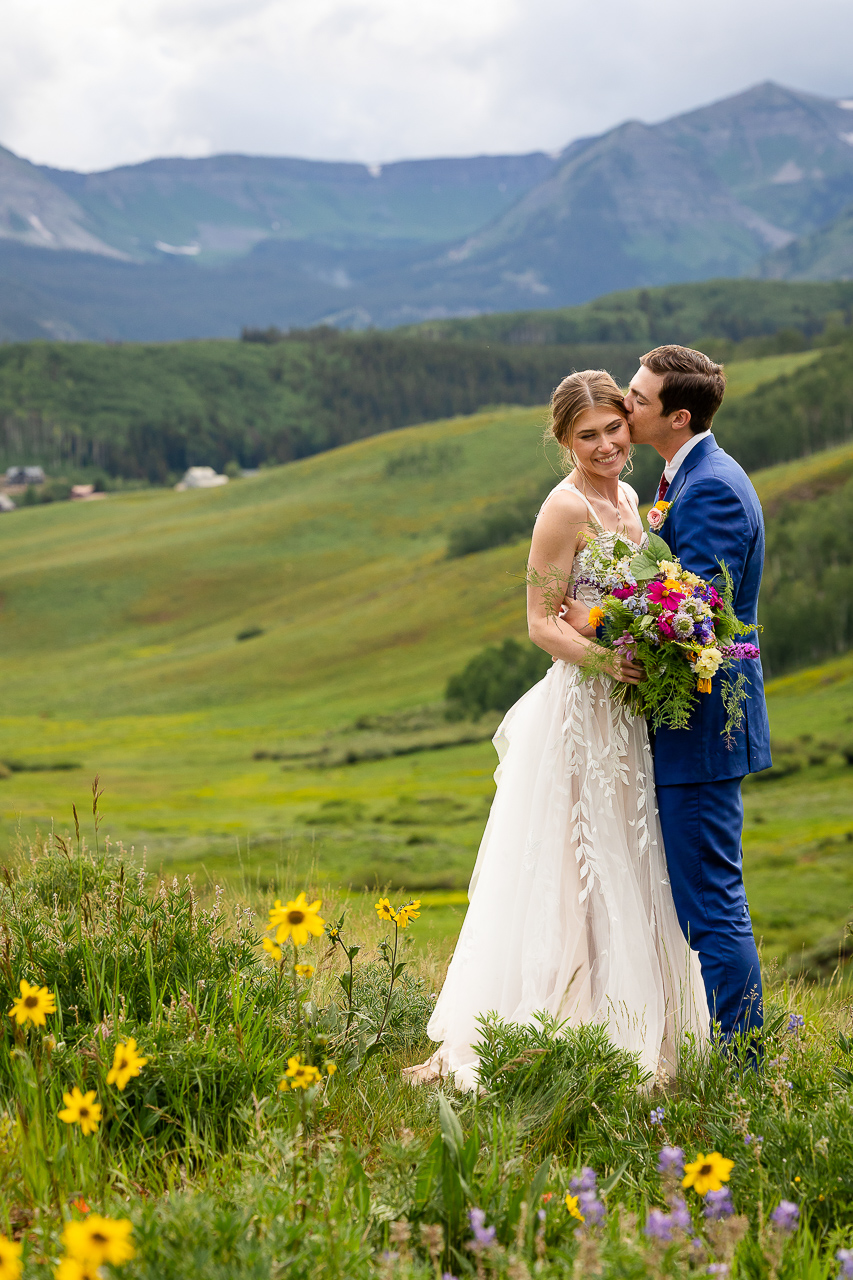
{"x":318,"y":745}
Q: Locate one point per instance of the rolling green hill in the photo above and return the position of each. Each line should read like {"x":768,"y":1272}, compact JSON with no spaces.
{"x":320,"y":738}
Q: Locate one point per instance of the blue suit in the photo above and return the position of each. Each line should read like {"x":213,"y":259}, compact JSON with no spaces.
{"x":715,"y":515}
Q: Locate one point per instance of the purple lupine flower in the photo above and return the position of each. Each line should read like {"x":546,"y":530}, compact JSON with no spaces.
{"x":796,"y":1022}
{"x":671,"y":1160}
{"x":658,"y":1225}
{"x":718,"y":1269}
{"x":591,"y":1207}
{"x":786,"y":1215}
{"x":586,"y":1180}
{"x":680,"y":1215}
{"x":483,"y":1235}
{"x":845,"y":1257}
{"x":740,"y":651}
{"x":657,"y":1115}
{"x":718,"y":1204}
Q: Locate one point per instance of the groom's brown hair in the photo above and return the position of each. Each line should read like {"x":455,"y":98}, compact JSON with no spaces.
{"x":690,"y":381}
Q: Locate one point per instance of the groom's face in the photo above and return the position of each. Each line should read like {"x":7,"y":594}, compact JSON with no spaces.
{"x":643,"y":406}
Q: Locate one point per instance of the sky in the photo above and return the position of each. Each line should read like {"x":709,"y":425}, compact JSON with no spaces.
{"x":90,"y":84}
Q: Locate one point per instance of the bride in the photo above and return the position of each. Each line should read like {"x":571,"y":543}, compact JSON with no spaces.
{"x":570,"y":905}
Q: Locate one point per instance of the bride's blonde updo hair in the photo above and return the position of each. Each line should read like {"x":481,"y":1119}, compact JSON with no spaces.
{"x":589,"y":389}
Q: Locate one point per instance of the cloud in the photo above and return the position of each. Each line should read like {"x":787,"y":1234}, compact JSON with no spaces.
{"x":103,"y":82}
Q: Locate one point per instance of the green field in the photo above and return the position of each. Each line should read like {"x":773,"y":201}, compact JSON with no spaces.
{"x":227,"y":757}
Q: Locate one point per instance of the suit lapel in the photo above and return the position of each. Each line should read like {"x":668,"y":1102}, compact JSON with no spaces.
{"x":694,"y":457}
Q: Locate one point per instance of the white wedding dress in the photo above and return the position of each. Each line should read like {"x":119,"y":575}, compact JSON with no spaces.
{"x":571,"y":910}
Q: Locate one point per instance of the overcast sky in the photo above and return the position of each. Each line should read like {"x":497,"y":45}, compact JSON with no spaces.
{"x":88,"y":84}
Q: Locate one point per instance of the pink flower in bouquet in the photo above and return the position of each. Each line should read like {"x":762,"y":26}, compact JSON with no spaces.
{"x":624,"y":645}
{"x":624,"y":593}
{"x":666,"y":629}
{"x":666,"y":594}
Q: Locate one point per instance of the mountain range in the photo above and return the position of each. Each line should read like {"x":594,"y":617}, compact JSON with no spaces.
{"x":759,"y":184}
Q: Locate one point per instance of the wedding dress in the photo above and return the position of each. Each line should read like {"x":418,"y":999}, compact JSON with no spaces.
{"x":571,"y":910}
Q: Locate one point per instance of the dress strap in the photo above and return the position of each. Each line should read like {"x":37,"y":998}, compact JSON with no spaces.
{"x":590,"y":507}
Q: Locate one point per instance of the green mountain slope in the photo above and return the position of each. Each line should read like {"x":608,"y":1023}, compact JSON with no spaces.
{"x":826,"y":254}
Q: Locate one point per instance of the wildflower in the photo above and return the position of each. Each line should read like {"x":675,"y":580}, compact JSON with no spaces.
{"x":707,"y":1173}
{"x":299,"y":1075}
{"x":304,"y":970}
{"x":587,"y":1180}
{"x":82,"y":1109}
{"x":658,"y":1225}
{"x":384,"y":909}
{"x":796,"y":1022}
{"x":718,"y":1204}
{"x":845,"y":1257}
{"x":670,"y":570}
{"x":296,"y":919}
{"x":626,"y":592}
{"x":573,"y":1207}
{"x":671,"y":1160}
{"x":409,"y":912}
{"x":97,"y":1240}
{"x":80,"y":1205}
{"x":10,"y":1258}
{"x":708,"y":663}
{"x":483,"y":1235}
{"x":719,"y":1269}
{"x":329,"y":1068}
{"x":786,"y":1215}
{"x":271,"y":949}
{"x":596,"y":616}
{"x":333,"y":932}
{"x":657,"y":1115}
{"x":667,"y":594}
{"x":591,"y":1207}
{"x":680,"y":1214}
{"x":73,"y":1269}
{"x":126,"y":1063}
{"x":32,"y":1005}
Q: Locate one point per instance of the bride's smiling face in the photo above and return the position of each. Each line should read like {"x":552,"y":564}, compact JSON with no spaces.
{"x":601,"y":441}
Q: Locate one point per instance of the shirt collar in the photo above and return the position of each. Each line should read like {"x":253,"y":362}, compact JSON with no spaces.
{"x":674,"y":463}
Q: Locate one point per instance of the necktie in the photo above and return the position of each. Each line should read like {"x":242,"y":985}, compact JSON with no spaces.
{"x":662,"y":488}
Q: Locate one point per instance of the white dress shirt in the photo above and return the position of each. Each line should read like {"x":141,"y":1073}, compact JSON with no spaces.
{"x":674,"y":463}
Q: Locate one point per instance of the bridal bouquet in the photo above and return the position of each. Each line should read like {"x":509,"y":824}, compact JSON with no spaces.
{"x":680,"y":628}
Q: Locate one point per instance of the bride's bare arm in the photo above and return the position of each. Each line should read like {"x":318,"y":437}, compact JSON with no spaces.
{"x":556,"y":536}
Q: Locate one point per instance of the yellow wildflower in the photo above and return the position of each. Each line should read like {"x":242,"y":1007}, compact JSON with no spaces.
{"x":409,"y":912}
{"x":96,"y":1240}
{"x":304,"y":970}
{"x":73,"y":1269}
{"x":384,"y":909}
{"x":126,"y":1063}
{"x":32,"y":1005}
{"x":573,"y":1207}
{"x":596,"y":616}
{"x":329,"y":1068}
{"x":296,"y":919}
{"x":707,"y":1173}
{"x":10,"y":1258}
{"x":82,"y":1109}
{"x":272,"y":950}
{"x":299,"y":1075}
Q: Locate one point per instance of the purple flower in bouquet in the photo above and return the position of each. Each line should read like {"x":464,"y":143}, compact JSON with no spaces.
{"x":738,"y":652}
{"x":705,"y":630}
{"x":786,"y":1215}
{"x":665,"y":629}
{"x":624,"y":645}
{"x":624,"y":593}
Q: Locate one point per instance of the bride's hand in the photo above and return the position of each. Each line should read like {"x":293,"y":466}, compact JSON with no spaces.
{"x":577,"y":615}
{"x":626,"y":672}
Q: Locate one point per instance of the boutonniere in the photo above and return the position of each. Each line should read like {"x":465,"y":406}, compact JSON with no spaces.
{"x":658,"y":514}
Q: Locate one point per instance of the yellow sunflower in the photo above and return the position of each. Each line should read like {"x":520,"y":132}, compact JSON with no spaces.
{"x":271,"y":949}
{"x":73,"y":1269}
{"x":573,"y":1207}
{"x":32,"y":1005}
{"x":10,"y":1258}
{"x":82,"y":1109}
{"x":126,"y":1063}
{"x":407,"y":913}
{"x":304,"y":970}
{"x":299,"y":1075}
{"x":384,"y":909}
{"x":96,"y":1240}
{"x":707,"y":1173}
{"x":296,"y":919}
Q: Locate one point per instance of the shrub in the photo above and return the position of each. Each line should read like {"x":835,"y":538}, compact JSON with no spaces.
{"x":495,"y":679}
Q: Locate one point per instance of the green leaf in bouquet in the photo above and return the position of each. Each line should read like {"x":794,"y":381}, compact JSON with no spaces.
{"x":644,"y":566}
{"x":621,"y":550}
{"x":658,"y":548}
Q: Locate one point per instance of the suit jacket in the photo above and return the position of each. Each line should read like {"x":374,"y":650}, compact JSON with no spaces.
{"x":715,"y":515}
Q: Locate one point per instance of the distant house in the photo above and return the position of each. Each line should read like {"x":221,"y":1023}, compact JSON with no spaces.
{"x":24,"y":475}
{"x":200,"y":478}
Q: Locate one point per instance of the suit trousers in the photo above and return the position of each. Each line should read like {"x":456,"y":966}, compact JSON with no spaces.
{"x":702,"y":824}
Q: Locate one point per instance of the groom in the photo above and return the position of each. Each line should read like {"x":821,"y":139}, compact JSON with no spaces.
{"x":714,"y":516}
